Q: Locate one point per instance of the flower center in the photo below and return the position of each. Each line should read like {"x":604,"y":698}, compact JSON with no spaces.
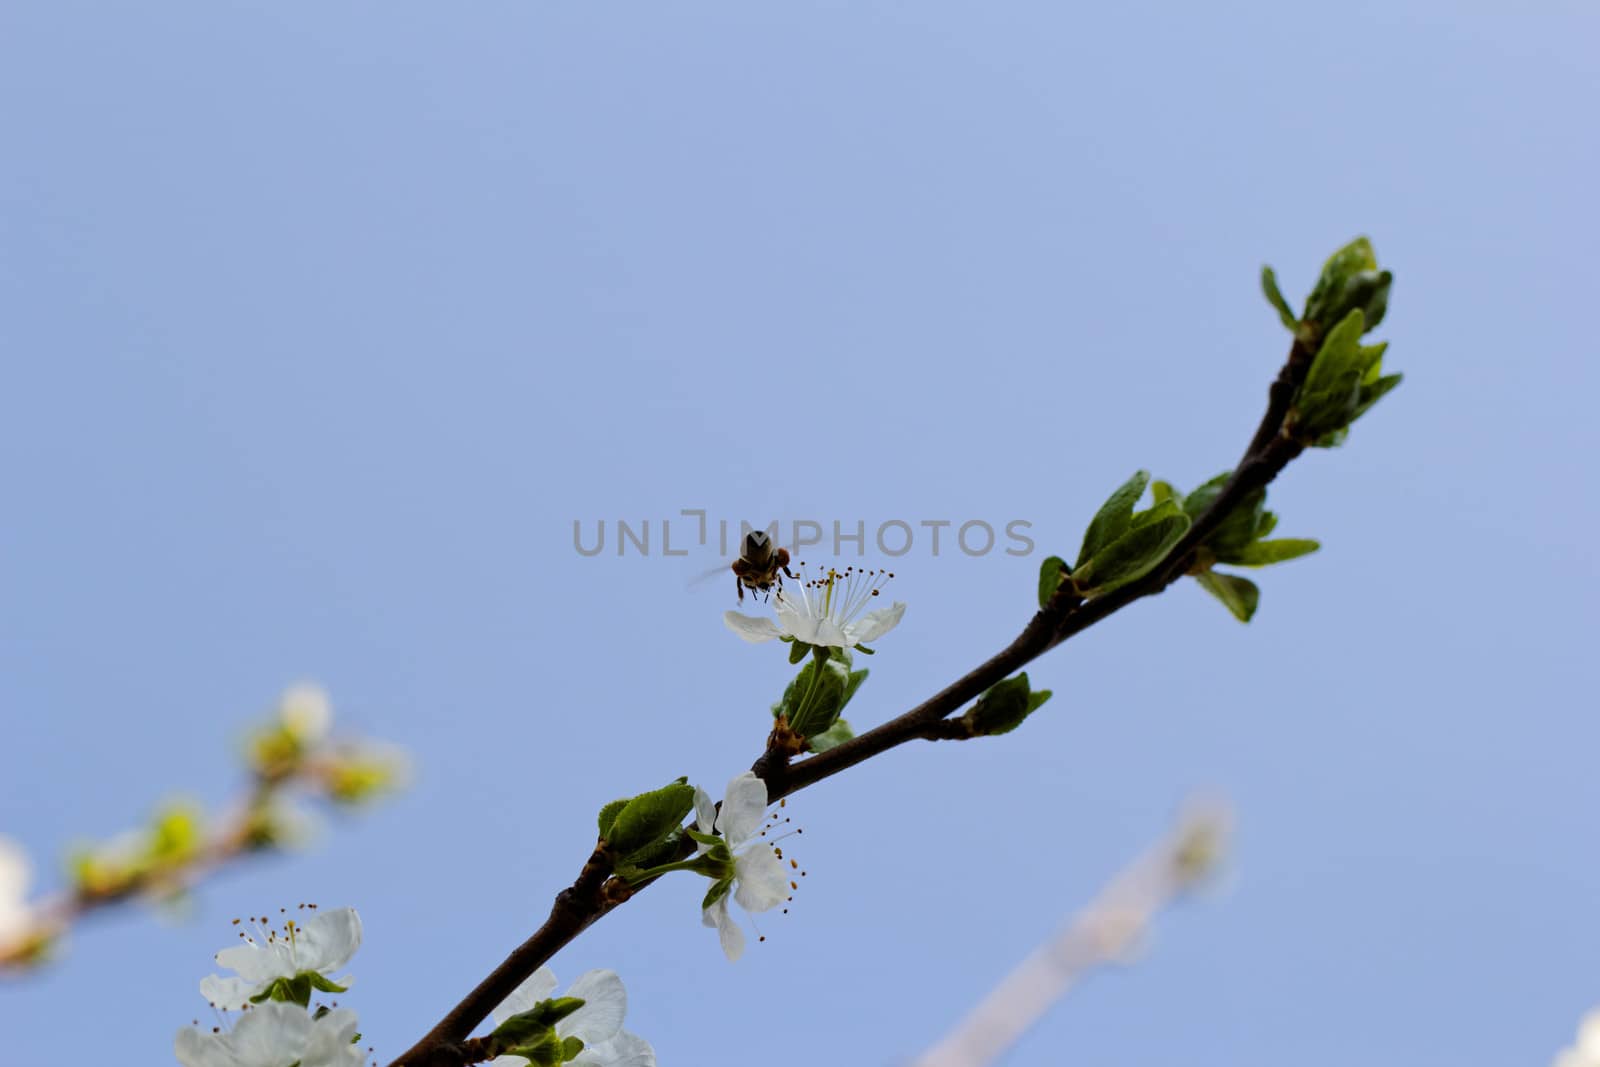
{"x":836,"y":595}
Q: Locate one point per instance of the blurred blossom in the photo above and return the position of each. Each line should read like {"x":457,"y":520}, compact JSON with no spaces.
{"x":1585,"y":1052}
{"x":306,"y":711}
{"x":16,"y":872}
{"x":300,"y":723}
{"x":358,"y":771}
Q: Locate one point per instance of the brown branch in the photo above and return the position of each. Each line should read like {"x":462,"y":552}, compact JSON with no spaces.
{"x":578,"y":907}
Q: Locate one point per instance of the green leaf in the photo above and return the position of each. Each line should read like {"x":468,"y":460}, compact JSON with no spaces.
{"x":1163,"y":491}
{"x":833,"y":736}
{"x":544,"y":1050}
{"x":1161,"y":510}
{"x":1131,"y":556}
{"x":718,"y":890}
{"x":1036,"y":699}
{"x":1051,"y":572}
{"x":662,"y":850}
{"x":1371,"y":394}
{"x":322,"y":983}
{"x":570,"y":1048}
{"x":1369,"y":291}
{"x":650,"y":816}
{"x":1269,"y":286}
{"x":817,"y":697}
{"x":1111,"y":521}
{"x":1195,"y":504}
{"x":1328,"y":399}
{"x":1238,"y":595}
{"x":1241,"y":526}
{"x":176,"y":835}
{"x":608,"y":815}
{"x":1344,"y":283}
{"x":1002,"y":709}
{"x":1262,"y":553}
{"x":798,"y":650}
{"x":852,"y":684}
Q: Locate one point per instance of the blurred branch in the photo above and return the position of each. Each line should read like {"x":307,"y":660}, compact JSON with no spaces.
{"x":291,"y":755}
{"x":1103,"y":933}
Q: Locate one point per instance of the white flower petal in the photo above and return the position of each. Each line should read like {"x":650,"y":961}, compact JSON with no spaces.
{"x":228,"y":994}
{"x":15,"y":872}
{"x":1589,"y":1036}
{"x":271,"y":1035}
{"x":749,"y":627}
{"x":624,"y":1050}
{"x":328,"y":940}
{"x":605,"y":1002}
{"x":744,"y":805}
{"x":330,"y":1043}
{"x":258,"y":963}
{"x":728,"y":931}
{"x":761,"y":882}
{"x":705,"y":813}
{"x":712,"y":916}
{"x":306,"y":711}
{"x":195,"y":1049}
{"x":797,"y":623}
{"x":874,"y":624}
{"x":538,"y":986}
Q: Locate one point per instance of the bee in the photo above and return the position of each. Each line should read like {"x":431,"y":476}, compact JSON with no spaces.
{"x":760,"y":566}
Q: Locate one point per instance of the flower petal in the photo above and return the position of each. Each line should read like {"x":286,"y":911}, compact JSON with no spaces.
{"x":272,"y":1033}
{"x":874,"y":624}
{"x":797,"y":622}
{"x":328,"y":941}
{"x":749,"y":627}
{"x":536,"y":987}
{"x":228,"y":994}
{"x":331,"y":1041}
{"x":605,"y":1002}
{"x":195,"y":1049}
{"x":728,"y":931}
{"x":761,"y":881}
{"x":624,"y":1050}
{"x":306,"y":711}
{"x":744,"y":805}
{"x":258,"y":963}
{"x":15,"y":873}
{"x":705,"y":813}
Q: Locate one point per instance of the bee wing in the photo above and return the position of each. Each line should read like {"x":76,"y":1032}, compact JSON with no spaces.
{"x":701,"y":579}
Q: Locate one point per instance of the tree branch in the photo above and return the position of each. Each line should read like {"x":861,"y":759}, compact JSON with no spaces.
{"x":587,"y":900}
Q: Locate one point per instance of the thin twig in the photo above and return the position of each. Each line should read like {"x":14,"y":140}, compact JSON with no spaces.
{"x":1103,"y":933}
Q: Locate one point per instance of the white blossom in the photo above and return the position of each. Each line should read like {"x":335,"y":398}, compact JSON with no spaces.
{"x":16,"y":918}
{"x":828,"y":611}
{"x":321,"y":945}
{"x":759,"y":881}
{"x":1585,"y":1051}
{"x":306,"y":712}
{"x":275,"y":1034}
{"x":598,"y":1024}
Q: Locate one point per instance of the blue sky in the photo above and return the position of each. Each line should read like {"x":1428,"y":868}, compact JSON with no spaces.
{"x":323,"y":323}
